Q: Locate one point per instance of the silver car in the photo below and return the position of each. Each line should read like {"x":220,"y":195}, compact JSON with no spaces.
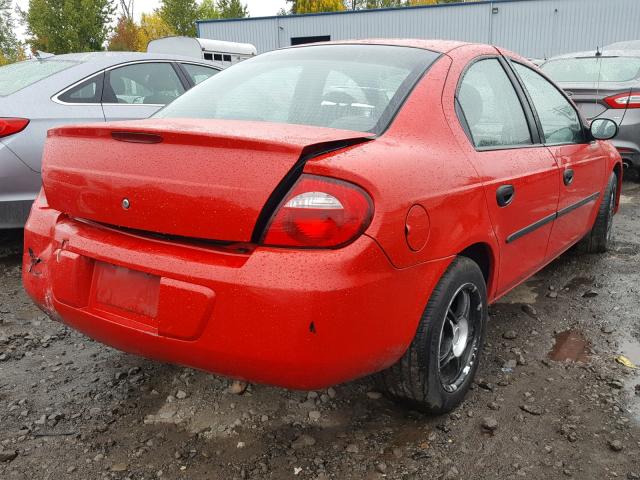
{"x":605,"y":84}
{"x":38,"y":94}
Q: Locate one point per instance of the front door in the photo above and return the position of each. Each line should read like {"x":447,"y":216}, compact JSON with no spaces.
{"x":581,"y":163}
{"x":518,"y":172}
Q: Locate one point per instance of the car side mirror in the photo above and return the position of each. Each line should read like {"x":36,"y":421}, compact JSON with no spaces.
{"x":603,"y":129}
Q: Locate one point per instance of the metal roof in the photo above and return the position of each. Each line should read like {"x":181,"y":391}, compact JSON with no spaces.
{"x":367,"y":10}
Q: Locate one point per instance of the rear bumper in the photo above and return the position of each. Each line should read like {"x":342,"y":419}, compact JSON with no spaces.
{"x":298,"y":319}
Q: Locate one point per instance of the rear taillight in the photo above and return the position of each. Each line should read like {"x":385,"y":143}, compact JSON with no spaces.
{"x":320,"y":212}
{"x":9,"y":126}
{"x":624,"y":100}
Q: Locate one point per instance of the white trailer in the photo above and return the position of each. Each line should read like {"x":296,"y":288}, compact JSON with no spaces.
{"x":220,"y":53}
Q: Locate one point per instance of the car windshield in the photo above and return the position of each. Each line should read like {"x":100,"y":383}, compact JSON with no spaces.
{"x":16,"y":76}
{"x":593,"y":69}
{"x":351,"y":87}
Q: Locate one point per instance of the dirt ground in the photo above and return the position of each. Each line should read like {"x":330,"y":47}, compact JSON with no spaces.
{"x":72,"y":408}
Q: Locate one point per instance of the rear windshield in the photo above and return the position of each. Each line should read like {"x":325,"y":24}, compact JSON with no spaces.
{"x":593,"y":69}
{"x":351,"y":87}
{"x":16,"y":76}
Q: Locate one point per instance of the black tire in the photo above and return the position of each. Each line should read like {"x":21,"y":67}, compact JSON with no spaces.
{"x":600,"y":238}
{"x":417,"y":378}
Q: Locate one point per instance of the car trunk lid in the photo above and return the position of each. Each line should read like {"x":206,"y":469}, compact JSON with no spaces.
{"x":206,"y":179}
{"x":590,"y":97}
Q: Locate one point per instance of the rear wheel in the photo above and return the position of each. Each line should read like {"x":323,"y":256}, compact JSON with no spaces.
{"x":600,"y":238}
{"x":438,"y":368}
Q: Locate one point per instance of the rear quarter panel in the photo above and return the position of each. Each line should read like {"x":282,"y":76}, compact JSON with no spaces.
{"x":417,"y":162}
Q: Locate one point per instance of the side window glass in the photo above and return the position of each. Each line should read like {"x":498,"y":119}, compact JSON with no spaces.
{"x":198,"y":73}
{"x":142,"y":83}
{"x":491,"y":107}
{"x":560,"y":121}
{"x":88,"y":91}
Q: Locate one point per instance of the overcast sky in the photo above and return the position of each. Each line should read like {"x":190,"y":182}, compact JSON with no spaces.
{"x":257,"y":8}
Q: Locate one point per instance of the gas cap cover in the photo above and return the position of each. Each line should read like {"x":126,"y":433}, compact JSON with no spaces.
{"x":417,"y":227}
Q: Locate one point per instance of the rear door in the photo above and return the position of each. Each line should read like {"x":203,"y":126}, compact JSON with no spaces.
{"x":518,"y":172}
{"x":138,"y":90}
{"x":582,"y":163}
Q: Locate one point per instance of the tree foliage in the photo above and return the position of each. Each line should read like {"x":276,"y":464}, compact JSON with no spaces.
{"x":232,"y":9}
{"x":313,"y":6}
{"x":125,"y":36}
{"x":63,"y":26}
{"x":10,"y":47}
{"x":208,"y":10}
{"x":180,"y":15}
{"x":316,"y":6}
{"x":152,"y":26}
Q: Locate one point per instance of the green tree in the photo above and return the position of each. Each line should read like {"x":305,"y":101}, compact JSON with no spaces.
{"x":10,"y":47}
{"x":208,"y":10}
{"x":232,"y":9}
{"x":180,"y":16}
{"x":63,"y":26}
{"x":316,"y":6}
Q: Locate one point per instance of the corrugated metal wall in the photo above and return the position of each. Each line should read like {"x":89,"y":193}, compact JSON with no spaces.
{"x":534,"y":28}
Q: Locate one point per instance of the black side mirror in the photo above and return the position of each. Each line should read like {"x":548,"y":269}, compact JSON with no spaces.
{"x":603,"y":129}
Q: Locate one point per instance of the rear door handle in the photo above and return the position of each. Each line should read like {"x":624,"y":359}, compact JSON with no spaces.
{"x":505,"y":195}
{"x":567,"y":176}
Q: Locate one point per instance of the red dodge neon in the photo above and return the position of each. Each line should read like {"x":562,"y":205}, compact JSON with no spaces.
{"x":321,"y":213}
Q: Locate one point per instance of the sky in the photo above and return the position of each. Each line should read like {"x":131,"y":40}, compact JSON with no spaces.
{"x":257,"y":8}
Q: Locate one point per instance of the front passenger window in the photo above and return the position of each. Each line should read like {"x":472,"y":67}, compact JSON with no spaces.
{"x":560,"y":122}
{"x":491,"y":107}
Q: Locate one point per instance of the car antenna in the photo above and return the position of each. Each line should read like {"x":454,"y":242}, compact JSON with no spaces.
{"x":40,"y":55}
{"x":598,"y":52}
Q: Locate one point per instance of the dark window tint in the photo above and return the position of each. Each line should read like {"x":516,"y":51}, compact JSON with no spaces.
{"x":560,"y":122}
{"x":491,"y":107}
{"x":88,"y":91}
{"x":303,"y":40}
{"x":226,"y":58}
{"x":147,"y":83}
{"x":352,"y":87}
{"x":217,"y":57}
{"x":199,"y":73}
{"x":208,"y":56}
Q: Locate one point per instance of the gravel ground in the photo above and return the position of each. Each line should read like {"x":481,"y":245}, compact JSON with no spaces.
{"x":549,"y":402}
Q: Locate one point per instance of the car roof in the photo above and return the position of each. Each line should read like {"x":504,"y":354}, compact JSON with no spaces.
{"x":594,"y":53}
{"x":440,"y":46}
{"x":107,"y":59}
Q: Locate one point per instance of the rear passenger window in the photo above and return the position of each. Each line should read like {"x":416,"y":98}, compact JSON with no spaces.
{"x":88,"y":91}
{"x":491,"y":108}
{"x":560,"y":121}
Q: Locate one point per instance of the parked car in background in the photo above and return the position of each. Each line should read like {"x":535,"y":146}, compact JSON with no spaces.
{"x":220,"y":53}
{"x":39,"y":94}
{"x":605,"y":84}
{"x":341,"y":210}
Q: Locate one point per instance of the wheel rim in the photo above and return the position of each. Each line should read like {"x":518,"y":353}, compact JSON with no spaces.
{"x":460,"y":337}
{"x":612,"y":206}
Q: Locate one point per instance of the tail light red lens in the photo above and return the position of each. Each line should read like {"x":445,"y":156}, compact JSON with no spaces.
{"x":624,"y":100}
{"x":320,"y":212}
{"x":9,"y":126}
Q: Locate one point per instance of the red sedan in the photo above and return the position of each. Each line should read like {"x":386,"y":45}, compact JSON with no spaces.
{"x":321,"y":213}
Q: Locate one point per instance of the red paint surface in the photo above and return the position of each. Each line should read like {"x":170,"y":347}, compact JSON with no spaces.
{"x":246,"y":310}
